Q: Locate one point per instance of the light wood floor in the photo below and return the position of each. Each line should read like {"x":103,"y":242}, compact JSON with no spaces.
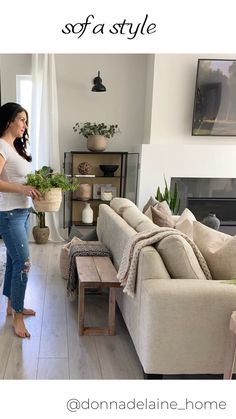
{"x":55,"y":351}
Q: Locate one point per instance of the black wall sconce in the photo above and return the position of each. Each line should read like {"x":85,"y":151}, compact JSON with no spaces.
{"x":98,"y":86}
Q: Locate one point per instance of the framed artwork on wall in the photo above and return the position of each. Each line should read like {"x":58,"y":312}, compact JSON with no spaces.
{"x":214,"y":111}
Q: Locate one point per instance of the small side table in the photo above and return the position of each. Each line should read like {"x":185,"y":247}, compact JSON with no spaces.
{"x":96,"y":271}
{"x":231,"y":348}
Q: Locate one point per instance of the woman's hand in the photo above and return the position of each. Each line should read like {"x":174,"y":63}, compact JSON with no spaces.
{"x":31,"y":191}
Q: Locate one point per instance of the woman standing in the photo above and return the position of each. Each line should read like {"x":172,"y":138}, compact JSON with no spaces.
{"x":14,"y":209}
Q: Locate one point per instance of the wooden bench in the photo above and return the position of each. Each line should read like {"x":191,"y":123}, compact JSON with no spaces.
{"x":231,"y":348}
{"x":96,"y":271}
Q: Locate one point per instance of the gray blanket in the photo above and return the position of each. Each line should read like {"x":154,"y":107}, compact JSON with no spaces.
{"x":83,"y":249}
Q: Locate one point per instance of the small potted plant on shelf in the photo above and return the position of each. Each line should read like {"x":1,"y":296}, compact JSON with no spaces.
{"x":96,"y":134}
{"x":41,"y":231}
{"x":51,"y":185}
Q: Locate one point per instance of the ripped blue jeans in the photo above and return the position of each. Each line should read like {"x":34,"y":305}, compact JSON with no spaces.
{"x":14,"y":232}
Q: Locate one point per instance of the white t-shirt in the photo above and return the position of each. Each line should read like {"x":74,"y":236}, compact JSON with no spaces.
{"x":14,"y":170}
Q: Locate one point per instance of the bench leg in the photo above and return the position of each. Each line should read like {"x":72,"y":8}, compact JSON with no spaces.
{"x":112,"y":311}
{"x":81,"y":311}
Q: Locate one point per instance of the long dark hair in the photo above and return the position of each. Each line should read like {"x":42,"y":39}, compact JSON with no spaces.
{"x":8,"y":113}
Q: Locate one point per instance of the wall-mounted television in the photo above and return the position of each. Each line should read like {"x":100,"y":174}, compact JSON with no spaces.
{"x":214,"y":110}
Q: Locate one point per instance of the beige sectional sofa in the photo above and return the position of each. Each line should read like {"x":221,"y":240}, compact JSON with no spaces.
{"x":178,"y":320}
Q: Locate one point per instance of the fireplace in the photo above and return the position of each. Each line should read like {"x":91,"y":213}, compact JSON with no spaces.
{"x":208,"y":195}
{"x":224,"y":208}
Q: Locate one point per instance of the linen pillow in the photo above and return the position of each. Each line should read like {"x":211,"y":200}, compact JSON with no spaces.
{"x":161,"y":215}
{"x":90,"y":236}
{"x":133,"y":216}
{"x":150,"y":203}
{"x":74,"y":232}
{"x":119,"y":205}
{"x":219,"y":250}
{"x":148,"y":213}
{"x":179,"y":258}
{"x":64,"y":257}
{"x":185,"y":223}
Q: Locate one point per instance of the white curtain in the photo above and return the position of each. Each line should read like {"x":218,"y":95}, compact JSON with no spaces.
{"x":44,"y":125}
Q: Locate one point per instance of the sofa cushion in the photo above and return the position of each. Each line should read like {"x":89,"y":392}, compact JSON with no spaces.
{"x":185,"y":223}
{"x":150,"y":203}
{"x":119,"y":204}
{"x":161,"y":215}
{"x":219,"y":250}
{"x":179,"y":258}
{"x":133,"y":216}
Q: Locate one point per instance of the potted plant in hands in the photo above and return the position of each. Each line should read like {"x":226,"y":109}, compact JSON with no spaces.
{"x":41,"y":231}
{"x":51,"y":185}
{"x":96,"y":134}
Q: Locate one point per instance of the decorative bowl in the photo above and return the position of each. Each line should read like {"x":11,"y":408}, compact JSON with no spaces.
{"x":109,"y":169}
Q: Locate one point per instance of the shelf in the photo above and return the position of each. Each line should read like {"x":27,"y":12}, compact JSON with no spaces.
{"x":74,"y":206}
{"x":89,"y":200}
{"x":94,"y":176}
{"x":80,"y":224}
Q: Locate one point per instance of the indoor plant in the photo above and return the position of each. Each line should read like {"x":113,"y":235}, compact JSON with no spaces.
{"x":170,"y":197}
{"x":51,"y":185}
{"x":96,"y":134}
{"x":41,"y":231}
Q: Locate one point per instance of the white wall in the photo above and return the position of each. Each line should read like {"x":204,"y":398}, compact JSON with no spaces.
{"x":186,"y":160}
{"x":173,"y":99}
{"x":124,"y":76}
{"x":172,"y":150}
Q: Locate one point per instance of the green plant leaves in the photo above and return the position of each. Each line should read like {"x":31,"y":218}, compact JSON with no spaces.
{"x":45,"y":179}
{"x":171,"y":198}
{"x":88,"y":128}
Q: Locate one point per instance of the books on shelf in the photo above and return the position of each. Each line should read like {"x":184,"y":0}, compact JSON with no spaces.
{"x":80,"y":175}
{"x":84,"y":175}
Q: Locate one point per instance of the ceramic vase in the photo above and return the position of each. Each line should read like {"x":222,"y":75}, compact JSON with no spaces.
{"x":87,"y":214}
{"x":211,"y":221}
{"x":96,"y":143}
{"x":84,"y":192}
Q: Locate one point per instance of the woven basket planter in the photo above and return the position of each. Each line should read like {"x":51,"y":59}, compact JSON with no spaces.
{"x":40,"y":234}
{"x":50,"y":201}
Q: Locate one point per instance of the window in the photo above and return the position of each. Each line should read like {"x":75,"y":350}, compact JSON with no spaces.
{"x":24,"y":92}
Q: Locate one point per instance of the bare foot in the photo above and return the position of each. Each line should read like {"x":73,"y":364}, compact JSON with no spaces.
{"x":19,"y":326}
{"x":26,"y":311}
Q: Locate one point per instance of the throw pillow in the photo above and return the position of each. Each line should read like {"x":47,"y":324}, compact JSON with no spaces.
{"x":64,"y":257}
{"x":219,"y":250}
{"x":179,"y":258}
{"x":161,"y":215}
{"x":74,"y":232}
{"x":150,"y":203}
{"x":185,"y":223}
{"x":90,"y":236}
{"x":119,"y":205}
{"x":148,"y":213}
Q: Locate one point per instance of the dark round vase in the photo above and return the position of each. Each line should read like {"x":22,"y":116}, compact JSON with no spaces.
{"x":109,"y":169}
{"x":211,"y":221}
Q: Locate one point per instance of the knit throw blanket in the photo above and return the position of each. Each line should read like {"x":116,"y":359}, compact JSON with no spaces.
{"x":83,"y":249}
{"x":128,"y":266}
